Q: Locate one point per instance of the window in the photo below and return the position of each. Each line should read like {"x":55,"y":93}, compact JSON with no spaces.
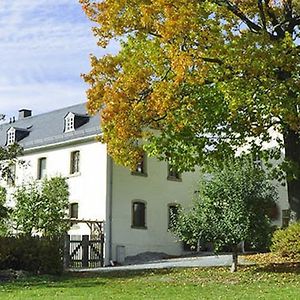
{"x":74,"y":164}
{"x":285,"y":218}
{"x":69,"y":122}
{"x":11,"y":175}
{"x":173,"y":174}
{"x":41,"y":168}
{"x":74,"y":210}
{"x":141,"y":167}
{"x":173,"y":210}
{"x":11,"y":136}
{"x":138,"y":214}
{"x":257,"y":161}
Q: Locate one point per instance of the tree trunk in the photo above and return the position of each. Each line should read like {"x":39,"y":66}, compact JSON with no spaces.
{"x":292,"y":153}
{"x":234,"y":260}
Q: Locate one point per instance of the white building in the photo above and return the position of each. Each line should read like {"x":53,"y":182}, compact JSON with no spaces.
{"x":135,"y":207}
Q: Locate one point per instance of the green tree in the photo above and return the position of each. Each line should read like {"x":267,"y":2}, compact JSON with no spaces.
{"x":42,"y":208}
{"x":9,"y":159}
{"x":212,"y":76}
{"x":232,"y":206}
{"x":4,"y":211}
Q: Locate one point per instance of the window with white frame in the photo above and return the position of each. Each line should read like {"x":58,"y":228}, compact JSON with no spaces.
{"x":11,"y":136}
{"x":41,"y":168}
{"x":69,"y":122}
{"x":74,"y":162}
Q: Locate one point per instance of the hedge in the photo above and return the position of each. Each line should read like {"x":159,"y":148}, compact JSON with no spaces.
{"x":39,"y":255}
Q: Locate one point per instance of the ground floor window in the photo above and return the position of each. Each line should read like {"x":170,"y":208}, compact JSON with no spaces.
{"x":138,"y":214}
{"x":285,"y":218}
{"x":173,"y":210}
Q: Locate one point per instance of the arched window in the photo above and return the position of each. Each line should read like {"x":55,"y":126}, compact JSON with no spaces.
{"x":138,"y":214}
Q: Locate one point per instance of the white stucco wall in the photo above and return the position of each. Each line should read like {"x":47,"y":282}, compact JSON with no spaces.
{"x":157,"y":192}
{"x":87,"y":188}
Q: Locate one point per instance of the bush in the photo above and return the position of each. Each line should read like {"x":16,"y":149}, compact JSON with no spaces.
{"x":32,"y":254}
{"x":286,"y":242}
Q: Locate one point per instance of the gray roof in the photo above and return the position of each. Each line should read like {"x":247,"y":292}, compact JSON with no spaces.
{"x":48,"y":128}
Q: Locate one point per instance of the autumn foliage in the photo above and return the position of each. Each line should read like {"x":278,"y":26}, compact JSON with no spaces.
{"x":196,"y":80}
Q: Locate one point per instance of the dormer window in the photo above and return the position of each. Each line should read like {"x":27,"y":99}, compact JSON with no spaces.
{"x":14,"y":135}
{"x":69,"y":122}
{"x":74,"y":121}
{"x":11,"y":136}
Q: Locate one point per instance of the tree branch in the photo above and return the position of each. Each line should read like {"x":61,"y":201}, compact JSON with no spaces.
{"x":236,"y":11}
{"x":262,"y":14}
{"x":275,"y":22}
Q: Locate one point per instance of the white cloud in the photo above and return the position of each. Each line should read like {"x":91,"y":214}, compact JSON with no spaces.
{"x":44,"y":46}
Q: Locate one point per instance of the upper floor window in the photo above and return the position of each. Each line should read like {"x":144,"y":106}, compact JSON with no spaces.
{"x":74,"y":163}
{"x":141,"y":168}
{"x":173,"y":174}
{"x":42,"y":167}
{"x":138,"y":214}
{"x":69,"y":122}
{"x":74,"y":210}
{"x":11,"y":136}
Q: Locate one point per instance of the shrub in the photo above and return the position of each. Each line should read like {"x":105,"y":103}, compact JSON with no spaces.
{"x":34,"y":254}
{"x":286,"y":242}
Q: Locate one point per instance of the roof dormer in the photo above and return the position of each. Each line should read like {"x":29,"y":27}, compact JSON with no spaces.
{"x":73,"y":121}
{"x":69,"y":122}
{"x":11,"y":136}
{"x":14,"y":135}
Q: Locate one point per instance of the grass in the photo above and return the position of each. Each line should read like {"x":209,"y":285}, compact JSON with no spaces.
{"x":280,"y":281}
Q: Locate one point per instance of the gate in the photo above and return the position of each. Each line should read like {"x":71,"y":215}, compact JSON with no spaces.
{"x":84,"y":252}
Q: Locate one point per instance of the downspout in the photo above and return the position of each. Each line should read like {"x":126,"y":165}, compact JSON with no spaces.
{"x":108,"y":227}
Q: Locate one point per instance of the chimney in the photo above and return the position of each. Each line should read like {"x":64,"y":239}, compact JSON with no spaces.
{"x":24,"y":113}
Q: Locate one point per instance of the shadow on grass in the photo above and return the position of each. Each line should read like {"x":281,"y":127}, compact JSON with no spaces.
{"x":122,"y":274}
{"x":287,"y":267}
{"x":100,"y":279}
{"x":77,"y":279}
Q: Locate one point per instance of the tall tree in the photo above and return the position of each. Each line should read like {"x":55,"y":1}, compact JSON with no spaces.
{"x":198,"y":80}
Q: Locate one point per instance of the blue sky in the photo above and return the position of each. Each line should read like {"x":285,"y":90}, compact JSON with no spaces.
{"x":44,"y":47}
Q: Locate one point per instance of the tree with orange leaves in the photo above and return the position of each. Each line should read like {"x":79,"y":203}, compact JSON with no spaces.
{"x":196,"y":80}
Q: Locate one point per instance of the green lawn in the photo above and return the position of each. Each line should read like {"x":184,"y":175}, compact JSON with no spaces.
{"x":273,"y":282}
